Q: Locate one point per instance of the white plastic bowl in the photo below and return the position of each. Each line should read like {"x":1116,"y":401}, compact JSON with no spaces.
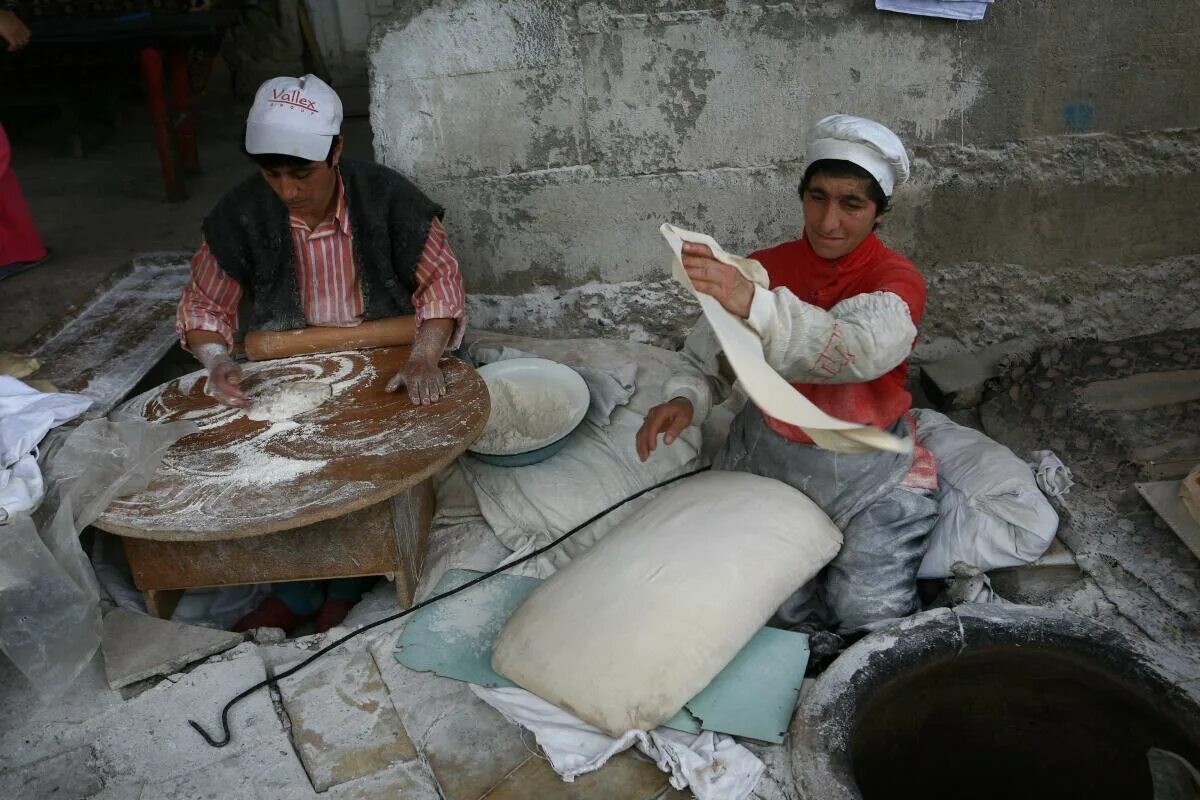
{"x":537,"y":372}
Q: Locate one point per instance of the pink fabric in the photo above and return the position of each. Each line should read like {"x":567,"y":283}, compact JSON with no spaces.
{"x":329,"y":281}
{"x":19,"y":238}
{"x":923,"y":472}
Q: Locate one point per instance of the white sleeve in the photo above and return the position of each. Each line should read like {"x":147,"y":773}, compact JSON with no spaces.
{"x":858,"y":340}
{"x":698,"y":376}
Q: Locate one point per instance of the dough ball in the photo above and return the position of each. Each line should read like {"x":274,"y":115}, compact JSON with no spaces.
{"x":289,"y":400}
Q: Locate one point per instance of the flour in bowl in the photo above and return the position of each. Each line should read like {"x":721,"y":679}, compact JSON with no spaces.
{"x":524,"y":417}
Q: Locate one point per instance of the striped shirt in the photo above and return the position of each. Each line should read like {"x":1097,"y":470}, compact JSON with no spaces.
{"x":329,"y":280}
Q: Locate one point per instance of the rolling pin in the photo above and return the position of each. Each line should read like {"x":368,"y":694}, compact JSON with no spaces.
{"x":265,"y":345}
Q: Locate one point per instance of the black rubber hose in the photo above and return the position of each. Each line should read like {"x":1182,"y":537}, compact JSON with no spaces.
{"x":293,"y":670}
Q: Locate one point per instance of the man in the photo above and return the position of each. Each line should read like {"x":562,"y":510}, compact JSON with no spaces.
{"x":315,"y":240}
{"x":838,"y":323}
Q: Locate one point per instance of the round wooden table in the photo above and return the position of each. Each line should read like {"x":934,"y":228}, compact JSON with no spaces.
{"x":342,"y":489}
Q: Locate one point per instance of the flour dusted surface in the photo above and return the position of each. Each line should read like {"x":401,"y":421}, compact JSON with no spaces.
{"x":524,"y":417}
{"x":289,"y":400}
{"x":238,"y":476}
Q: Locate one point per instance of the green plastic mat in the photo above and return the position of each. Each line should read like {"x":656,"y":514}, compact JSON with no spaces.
{"x":753,"y":697}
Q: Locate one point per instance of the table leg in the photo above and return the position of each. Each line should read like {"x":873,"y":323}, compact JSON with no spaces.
{"x":152,"y":76}
{"x":181,"y":102}
{"x":161,"y":603}
{"x":412,"y":514}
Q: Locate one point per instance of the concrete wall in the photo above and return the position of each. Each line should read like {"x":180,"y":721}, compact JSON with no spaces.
{"x":1056,"y":151}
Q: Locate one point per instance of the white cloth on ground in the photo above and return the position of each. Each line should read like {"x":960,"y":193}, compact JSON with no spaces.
{"x":21,"y":487}
{"x":970,"y":584}
{"x":970,"y":10}
{"x":26,"y":416}
{"x":1052,"y":475}
{"x":713,"y":766}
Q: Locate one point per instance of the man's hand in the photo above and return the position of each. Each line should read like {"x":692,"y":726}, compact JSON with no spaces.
{"x":224,"y":376}
{"x":424,"y":379}
{"x":719,"y":280}
{"x":224,"y":384}
{"x":13,"y":31}
{"x":670,"y":419}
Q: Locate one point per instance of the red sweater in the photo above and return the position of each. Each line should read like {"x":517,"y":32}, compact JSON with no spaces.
{"x":871,"y":267}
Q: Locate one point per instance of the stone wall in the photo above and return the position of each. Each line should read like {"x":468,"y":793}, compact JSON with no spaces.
{"x":1056,"y":151}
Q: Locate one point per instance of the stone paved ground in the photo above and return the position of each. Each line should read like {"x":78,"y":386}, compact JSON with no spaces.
{"x":1040,"y":401}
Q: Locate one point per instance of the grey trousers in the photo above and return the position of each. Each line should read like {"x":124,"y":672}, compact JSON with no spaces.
{"x":885,"y":527}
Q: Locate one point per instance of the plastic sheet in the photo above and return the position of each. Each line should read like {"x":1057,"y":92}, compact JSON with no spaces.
{"x":49,"y":597}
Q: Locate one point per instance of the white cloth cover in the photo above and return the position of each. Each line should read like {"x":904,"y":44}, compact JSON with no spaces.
{"x":26,"y":416}
{"x":713,"y":766}
{"x":991,"y":511}
{"x":864,"y":142}
{"x":639,"y":624}
{"x":971,"y":585}
{"x":528,"y":506}
{"x":1052,"y":475}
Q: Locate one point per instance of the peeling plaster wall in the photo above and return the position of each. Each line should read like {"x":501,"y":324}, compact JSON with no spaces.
{"x":1056,"y":151}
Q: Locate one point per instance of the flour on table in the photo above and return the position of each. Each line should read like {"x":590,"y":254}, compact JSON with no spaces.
{"x":264,"y":469}
{"x":524,"y":417}
{"x":289,"y":400}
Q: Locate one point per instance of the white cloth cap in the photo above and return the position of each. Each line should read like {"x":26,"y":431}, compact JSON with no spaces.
{"x":294,"y":117}
{"x":863,"y":142}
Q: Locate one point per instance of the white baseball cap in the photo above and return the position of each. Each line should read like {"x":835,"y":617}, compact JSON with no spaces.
{"x":294,"y":117}
{"x":863,"y":142}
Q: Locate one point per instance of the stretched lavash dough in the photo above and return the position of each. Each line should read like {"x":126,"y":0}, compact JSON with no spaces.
{"x":635,"y":627}
{"x":766,"y":387}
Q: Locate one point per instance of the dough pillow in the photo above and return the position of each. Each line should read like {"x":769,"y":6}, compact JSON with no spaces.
{"x":637,"y":626}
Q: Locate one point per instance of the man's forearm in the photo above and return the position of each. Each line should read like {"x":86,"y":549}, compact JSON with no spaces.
{"x":697,"y":377}
{"x":432,"y":337}
{"x":858,"y":340}
{"x":197,"y":340}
